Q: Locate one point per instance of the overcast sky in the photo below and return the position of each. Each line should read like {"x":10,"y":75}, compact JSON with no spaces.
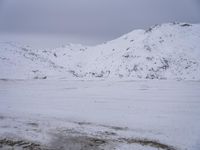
{"x":100,"y":20}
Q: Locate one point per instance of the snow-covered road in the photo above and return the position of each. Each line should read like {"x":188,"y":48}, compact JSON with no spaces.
{"x":164,"y":111}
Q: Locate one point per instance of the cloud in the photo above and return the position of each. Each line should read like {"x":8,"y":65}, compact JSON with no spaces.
{"x":97,"y":18}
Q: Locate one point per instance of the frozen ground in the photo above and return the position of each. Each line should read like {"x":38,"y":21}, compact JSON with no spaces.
{"x":92,"y":115}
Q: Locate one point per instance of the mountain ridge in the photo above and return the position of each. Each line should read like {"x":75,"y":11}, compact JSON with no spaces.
{"x":167,"y":51}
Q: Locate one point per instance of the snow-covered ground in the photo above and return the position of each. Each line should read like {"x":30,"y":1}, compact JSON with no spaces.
{"x":120,"y":114}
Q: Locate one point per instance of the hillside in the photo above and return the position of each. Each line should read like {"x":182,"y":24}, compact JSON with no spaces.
{"x":167,"y":51}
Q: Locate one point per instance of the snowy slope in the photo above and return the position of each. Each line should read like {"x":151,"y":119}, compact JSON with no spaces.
{"x":168,"y":51}
{"x":21,"y":62}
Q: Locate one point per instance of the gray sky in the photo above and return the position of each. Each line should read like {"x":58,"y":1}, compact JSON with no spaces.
{"x":96,"y":20}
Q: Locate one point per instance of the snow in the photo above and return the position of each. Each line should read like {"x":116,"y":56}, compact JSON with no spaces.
{"x":165,"y":111}
{"x":167,"y":51}
{"x":103,"y":97}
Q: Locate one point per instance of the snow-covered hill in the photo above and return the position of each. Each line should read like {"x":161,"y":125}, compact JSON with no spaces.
{"x":168,"y":51}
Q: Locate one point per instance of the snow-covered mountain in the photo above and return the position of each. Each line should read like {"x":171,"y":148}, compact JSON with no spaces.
{"x":168,"y":51}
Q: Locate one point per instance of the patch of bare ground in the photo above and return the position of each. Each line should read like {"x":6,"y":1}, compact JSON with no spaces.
{"x":7,"y":144}
{"x":147,"y":142}
{"x":101,"y":125}
{"x":78,"y":143}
